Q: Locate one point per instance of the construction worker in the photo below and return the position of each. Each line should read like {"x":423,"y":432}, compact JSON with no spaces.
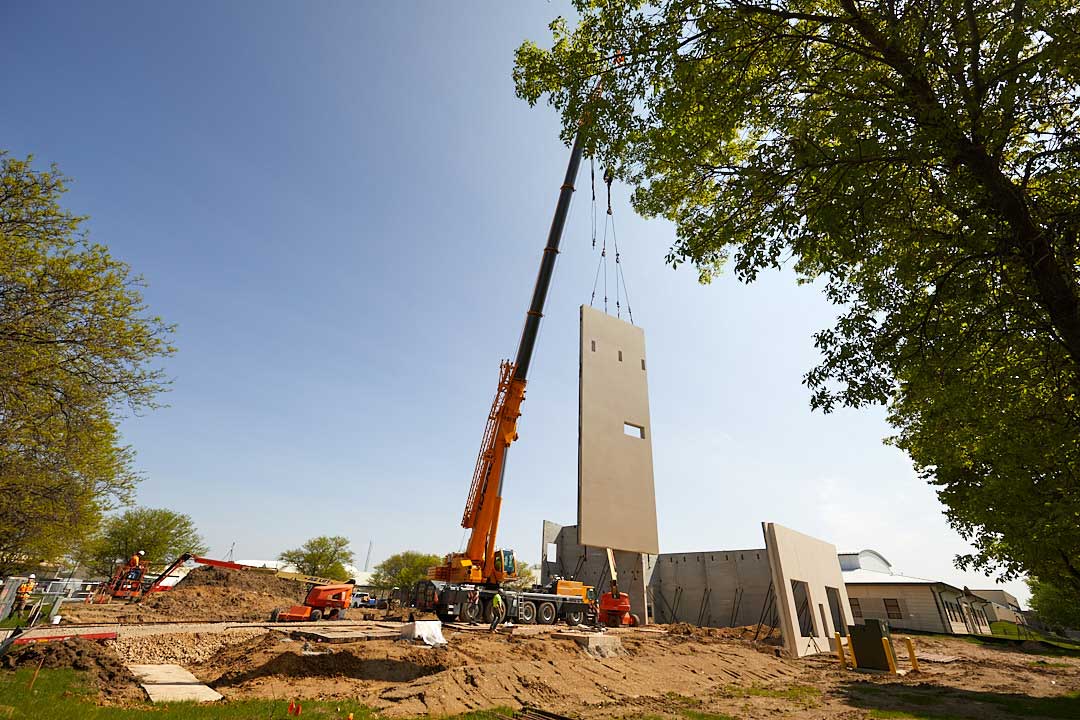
{"x":135,"y":565}
{"x":22,"y":595}
{"x":498,"y":609}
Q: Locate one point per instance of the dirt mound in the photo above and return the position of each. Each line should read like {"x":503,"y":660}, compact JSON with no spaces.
{"x":250,"y":580}
{"x":481,"y":671}
{"x":108,"y":673}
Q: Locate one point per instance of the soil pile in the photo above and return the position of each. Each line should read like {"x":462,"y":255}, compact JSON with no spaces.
{"x":477,"y":671}
{"x":206,"y":594}
{"x":108,"y":674}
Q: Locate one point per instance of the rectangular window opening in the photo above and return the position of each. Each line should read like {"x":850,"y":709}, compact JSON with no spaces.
{"x":838,"y":623}
{"x":594,"y":346}
{"x":892,"y":609}
{"x":642,"y":363}
{"x":620,"y":356}
{"x":803,"y":609}
{"x":552,"y":552}
{"x":634,"y":431}
{"x":856,"y":608}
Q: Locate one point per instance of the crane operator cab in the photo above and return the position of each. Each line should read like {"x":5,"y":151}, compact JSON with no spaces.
{"x":505,"y":566}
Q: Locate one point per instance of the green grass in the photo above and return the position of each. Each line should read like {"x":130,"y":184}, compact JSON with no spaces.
{"x":944,"y":704}
{"x":63,"y":693}
{"x":698,"y":715}
{"x":12,"y":622}
{"x":1048,"y":664}
{"x":1016,"y":632}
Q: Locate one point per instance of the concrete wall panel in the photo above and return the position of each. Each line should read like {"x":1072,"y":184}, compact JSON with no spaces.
{"x":804,"y":559}
{"x":616,"y":495}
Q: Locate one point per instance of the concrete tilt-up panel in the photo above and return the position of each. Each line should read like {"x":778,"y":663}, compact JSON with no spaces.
{"x":616,"y":494}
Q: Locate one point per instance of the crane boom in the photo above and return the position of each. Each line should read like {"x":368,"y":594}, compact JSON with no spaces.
{"x":481,"y":563}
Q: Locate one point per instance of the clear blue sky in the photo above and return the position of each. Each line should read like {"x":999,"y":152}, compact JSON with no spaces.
{"x":342,"y":206}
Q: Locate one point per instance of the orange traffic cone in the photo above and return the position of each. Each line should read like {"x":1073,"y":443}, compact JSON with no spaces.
{"x":292,"y":709}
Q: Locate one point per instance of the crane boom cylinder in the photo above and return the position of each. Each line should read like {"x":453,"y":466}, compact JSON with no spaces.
{"x":547,"y":265}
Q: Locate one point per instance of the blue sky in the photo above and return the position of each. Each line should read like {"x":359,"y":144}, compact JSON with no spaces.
{"x":342,"y":206}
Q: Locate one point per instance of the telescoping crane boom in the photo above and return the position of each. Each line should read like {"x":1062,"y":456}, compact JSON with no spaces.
{"x":481,"y":562}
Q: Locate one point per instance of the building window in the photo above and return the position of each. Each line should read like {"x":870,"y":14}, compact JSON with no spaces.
{"x":856,"y":609}
{"x":892,"y":609}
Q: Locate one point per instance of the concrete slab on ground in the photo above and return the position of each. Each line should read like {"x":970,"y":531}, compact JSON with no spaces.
{"x":598,"y":644}
{"x":172,"y":683}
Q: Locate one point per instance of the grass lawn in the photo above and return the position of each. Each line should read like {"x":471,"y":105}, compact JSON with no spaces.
{"x":62,"y":693}
{"x":931,"y":703}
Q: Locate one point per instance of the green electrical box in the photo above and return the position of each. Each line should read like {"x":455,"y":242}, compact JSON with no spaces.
{"x":866,"y":644}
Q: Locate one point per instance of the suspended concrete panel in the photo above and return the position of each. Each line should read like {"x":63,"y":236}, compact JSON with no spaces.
{"x":616,"y":495}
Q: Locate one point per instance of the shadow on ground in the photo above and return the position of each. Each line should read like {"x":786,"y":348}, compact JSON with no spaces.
{"x":947,"y":703}
{"x":331,"y":665}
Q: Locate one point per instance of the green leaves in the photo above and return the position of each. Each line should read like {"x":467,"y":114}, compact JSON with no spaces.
{"x":403,"y":570}
{"x":324,"y":555}
{"x":163,"y":534}
{"x":921,"y":160}
{"x":78,"y":348}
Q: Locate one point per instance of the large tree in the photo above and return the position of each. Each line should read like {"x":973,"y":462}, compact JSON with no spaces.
{"x":403,"y":569}
{"x":1060,"y":610}
{"x":324,"y":556}
{"x":77,"y":349}
{"x":162,"y":534}
{"x":921,"y":160}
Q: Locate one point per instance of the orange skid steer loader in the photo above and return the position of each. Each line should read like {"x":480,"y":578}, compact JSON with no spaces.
{"x":322,"y":602}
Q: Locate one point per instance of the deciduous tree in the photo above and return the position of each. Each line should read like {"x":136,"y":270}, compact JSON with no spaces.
{"x":324,"y":556}
{"x":403,"y":570}
{"x":77,"y":349}
{"x":919,"y":159}
{"x":162,"y":534}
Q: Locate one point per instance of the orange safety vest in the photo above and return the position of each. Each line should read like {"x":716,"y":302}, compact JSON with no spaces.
{"x":25,"y":589}
{"x":135,"y":561}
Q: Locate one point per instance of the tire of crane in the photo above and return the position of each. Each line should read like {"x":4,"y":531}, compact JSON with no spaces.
{"x":471,"y":613}
{"x":274,"y":614}
{"x":489,"y":612}
{"x":575,"y":617}
{"x":634,"y":620}
{"x":527,"y":613}
{"x":545,"y":613}
{"x":315,"y":616}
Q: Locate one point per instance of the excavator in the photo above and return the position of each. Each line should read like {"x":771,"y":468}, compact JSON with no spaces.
{"x":482,"y":568}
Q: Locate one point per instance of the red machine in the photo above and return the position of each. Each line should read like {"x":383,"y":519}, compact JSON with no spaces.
{"x":614,"y":610}
{"x":322,"y":601}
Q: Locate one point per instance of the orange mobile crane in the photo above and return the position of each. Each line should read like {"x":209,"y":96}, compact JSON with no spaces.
{"x":482,"y":568}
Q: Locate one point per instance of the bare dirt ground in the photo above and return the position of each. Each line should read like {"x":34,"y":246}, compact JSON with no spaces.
{"x":678,"y":671}
{"x":206,"y":594}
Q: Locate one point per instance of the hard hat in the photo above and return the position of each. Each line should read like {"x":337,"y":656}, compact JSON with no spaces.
{"x":33,"y":576}
{"x":142,"y":552}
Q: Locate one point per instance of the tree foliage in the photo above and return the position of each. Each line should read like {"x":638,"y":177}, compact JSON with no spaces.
{"x":1058,"y":609}
{"x":324,"y":556}
{"x":403,"y":570}
{"x":526,"y":577}
{"x":921,"y":160}
{"x":162,"y":534}
{"x":77,"y":348}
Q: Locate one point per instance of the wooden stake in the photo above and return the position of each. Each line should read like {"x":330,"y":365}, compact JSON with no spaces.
{"x":34,"y":679}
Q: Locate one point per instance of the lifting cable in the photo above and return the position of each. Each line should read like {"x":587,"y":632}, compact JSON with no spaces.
{"x":609,"y":222}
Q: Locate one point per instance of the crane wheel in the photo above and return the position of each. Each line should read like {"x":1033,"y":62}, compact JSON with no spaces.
{"x":545,"y":614}
{"x":315,"y":616}
{"x":471,"y":613}
{"x":575,"y":617}
{"x":274,"y":614}
{"x":527,"y":613}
